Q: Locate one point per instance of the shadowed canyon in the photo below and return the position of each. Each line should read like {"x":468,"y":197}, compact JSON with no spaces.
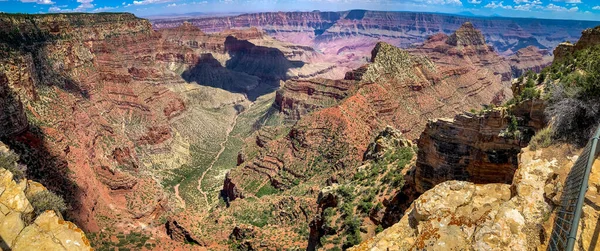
{"x":363,"y":130}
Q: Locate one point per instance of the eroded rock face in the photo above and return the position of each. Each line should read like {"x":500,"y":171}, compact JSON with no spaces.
{"x":466,"y":35}
{"x":356,"y":31}
{"x":297,"y":98}
{"x":179,"y":233}
{"x":12,"y":113}
{"x":529,"y":58}
{"x":465,"y":216}
{"x":474,"y":147}
{"x":387,"y":140}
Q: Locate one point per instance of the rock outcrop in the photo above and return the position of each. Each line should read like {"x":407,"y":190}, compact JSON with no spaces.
{"x":48,"y":231}
{"x":530,"y":58}
{"x":476,"y":147}
{"x":462,"y":215}
{"x":466,"y":35}
{"x":297,"y":98}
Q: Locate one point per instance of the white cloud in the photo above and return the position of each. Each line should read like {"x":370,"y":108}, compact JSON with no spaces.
{"x":494,"y":5}
{"x":567,"y":1}
{"x":553,"y":7}
{"x":84,"y":5}
{"x":437,"y":2}
{"x":38,"y":1}
{"x":105,"y":8}
{"x":144,"y":2}
{"x":474,"y":1}
{"x":596,"y":7}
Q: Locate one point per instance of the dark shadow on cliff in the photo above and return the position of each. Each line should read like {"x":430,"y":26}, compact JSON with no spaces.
{"x":43,"y":166}
{"x":252,"y":70}
{"x":32,"y":44}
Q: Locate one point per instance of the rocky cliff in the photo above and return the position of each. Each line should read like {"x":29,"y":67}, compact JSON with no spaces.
{"x":356,"y":31}
{"x":297,"y":98}
{"x":480,"y":148}
{"x":530,"y":58}
{"x":12,"y":113}
{"x":20,"y":227}
{"x":463,"y":215}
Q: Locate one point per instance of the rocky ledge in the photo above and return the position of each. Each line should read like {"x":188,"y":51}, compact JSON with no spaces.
{"x":48,"y":231}
{"x":480,"y":148}
{"x":460,"y":215}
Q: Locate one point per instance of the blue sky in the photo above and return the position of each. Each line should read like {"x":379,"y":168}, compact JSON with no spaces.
{"x":559,"y":9}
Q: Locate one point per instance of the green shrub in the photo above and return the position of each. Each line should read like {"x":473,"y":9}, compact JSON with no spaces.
{"x":47,"y":200}
{"x":365,"y":206}
{"x":542,"y":139}
{"x":267,"y":189}
{"x":8,"y":161}
{"x":379,"y":229}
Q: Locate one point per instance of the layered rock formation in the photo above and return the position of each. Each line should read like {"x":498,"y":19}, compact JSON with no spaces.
{"x":398,"y":88}
{"x":48,"y":231}
{"x":356,"y":31}
{"x":112,"y":120}
{"x":529,"y":58}
{"x":476,"y":147}
{"x":297,"y":98}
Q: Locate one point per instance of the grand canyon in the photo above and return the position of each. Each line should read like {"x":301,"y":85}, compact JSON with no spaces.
{"x":360,"y":130}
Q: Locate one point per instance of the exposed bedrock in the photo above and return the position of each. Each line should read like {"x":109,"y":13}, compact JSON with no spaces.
{"x":476,"y":147}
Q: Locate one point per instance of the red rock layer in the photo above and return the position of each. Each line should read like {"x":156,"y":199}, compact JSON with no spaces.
{"x":398,"y":88}
{"x":360,"y":30}
{"x":529,"y":59}
{"x":297,"y":98}
{"x":95,"y":90}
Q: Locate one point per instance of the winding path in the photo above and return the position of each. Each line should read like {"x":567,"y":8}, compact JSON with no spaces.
{"x":223,"y":145}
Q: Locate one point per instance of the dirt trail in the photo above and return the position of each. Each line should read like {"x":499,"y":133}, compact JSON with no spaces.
{"x":178,"y":196}
{"x":223,"y":144}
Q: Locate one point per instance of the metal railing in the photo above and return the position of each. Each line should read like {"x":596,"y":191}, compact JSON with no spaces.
{"x":564,"y":232}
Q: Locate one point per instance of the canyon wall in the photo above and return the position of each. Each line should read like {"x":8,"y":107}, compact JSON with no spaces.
{"x":360,"y":29}
{"x":476,"y":147}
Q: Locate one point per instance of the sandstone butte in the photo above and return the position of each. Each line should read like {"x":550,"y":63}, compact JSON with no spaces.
{"x":118,"y":117}
{"x":48,"y":231}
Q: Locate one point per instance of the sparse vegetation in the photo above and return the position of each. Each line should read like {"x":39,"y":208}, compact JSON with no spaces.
{"x":573,"y":97}
{"x":266,"y":189}
{"x":47,"y":200}
{"x":542,"y":139}
{"x":8,"y":161}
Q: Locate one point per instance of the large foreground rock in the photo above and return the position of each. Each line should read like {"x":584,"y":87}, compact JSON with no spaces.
{"x":459,"y":215}
{"x":47,"y":232}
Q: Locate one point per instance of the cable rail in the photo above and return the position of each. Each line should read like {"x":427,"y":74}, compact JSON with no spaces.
{"x":564,"y":231}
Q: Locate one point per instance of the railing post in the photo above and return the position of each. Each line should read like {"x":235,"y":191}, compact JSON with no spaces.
{"x":581,"y":198}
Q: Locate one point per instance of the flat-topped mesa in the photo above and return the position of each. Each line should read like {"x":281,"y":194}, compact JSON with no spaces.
{"x":245,"y":34}
{"x":90,"y":27}
{"x":466,"y":35}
